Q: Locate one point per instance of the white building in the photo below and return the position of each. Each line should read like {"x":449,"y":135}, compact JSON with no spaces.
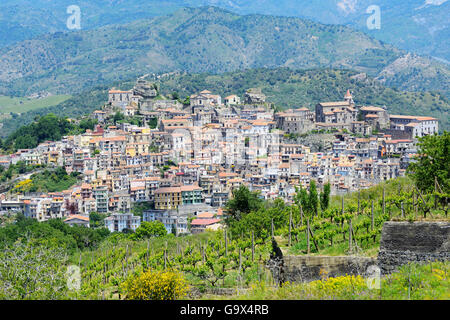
{"x":417,"y":126}
{"x":119,"y":221}
{"x":77,"y":220}
{"x":171,"y":220}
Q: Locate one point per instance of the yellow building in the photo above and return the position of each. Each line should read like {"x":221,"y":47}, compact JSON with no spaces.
{"x":168,"y":198}
{"x":172,"y":197}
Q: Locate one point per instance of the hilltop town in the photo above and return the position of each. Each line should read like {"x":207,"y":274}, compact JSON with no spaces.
{"x":183,"y":159}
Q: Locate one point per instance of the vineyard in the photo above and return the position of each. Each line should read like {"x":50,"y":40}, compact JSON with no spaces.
{"x":208,"y":260}
{"x":353,"y":224}
{"x":215,"y":260}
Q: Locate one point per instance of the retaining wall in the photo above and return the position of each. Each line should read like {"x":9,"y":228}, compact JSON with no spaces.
{"x":404,"y":242}
{"x":310,"y":268}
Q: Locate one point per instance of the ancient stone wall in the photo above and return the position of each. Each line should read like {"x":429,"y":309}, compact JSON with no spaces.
{"x":310,"y":268}
{"x":403,"y":242}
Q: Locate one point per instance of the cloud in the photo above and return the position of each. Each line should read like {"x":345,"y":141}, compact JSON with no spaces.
{"x":349,"y":6}
{"x":431,"y":3}
{"x":435,"y":2}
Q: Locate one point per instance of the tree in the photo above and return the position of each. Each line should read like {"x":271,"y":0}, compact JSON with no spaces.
{"x":25,"y":142}
{"x":48,"y":127}
{"x":433,"y":160}
{"x":308,"y":201}
{"x":175,"y":96}
{"x":243,"y":202}
{"x":96,"y":219}
{"x":21,"y":167}
{"x":313,"y":197}
{"x":33,"y":271}
{"x":325,"y":197}
{"x":150,"y":229}
{"x":187,"y":101}
{"x":139,"y":208}
{"x":301,"y":199}
{"x":153,"y":122}
{"x":260,"y":221}
{"x":87,"y":124}
{"x":118,"y":116}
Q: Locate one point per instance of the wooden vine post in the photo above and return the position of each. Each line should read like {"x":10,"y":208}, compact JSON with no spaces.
{"x":307,"y":235}
{"x":203,"y":253}
{"x":425,"y":210}
{"x":165,"y":259}
{"x":403,"y":211}
{"x":415,"y":200}
{"x":444,"y":205}
{"x":354,"y":238}
{"x":301,"y":213}
{"x":350,"y":236}
{"x":314,"y":239}
{"x":384,"y":200}
{"x":290,"y":227}
{"x":372,"y":221}
{"x":240,"y":260}
{"x":272,"y":230}
{"x":435,"y":193}
{"x":253,"y":246}
{"x":126,"y":261}
{"x":359,"y":202}
{"x":226,"y":243}
{"x":148,"y":252}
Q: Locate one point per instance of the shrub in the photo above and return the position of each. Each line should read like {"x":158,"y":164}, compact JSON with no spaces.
{"x":156,"y":285}
{"x":344,"y":287}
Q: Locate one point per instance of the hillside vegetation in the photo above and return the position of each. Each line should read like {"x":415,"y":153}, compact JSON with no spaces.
{"x":205,"y":39}
{"x":46,"y":128}
{"x":284,"y":87}
{"x":47,"y":181}
{"x":23,"y":104}
{"x":287,"y":88}
{"x":74,"y":107}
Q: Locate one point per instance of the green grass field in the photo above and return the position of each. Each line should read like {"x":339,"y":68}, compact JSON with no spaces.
{"x":23,"y":104}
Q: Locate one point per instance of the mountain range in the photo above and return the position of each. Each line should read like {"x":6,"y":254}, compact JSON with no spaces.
{"x":206,"y":39}
{"x":419,"y":26}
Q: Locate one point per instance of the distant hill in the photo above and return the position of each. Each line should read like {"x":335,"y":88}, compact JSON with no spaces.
{"x":284,"y":87}
{"x":207,"y":39}
{"x":25,"y":19}
{"x":420,"y":26}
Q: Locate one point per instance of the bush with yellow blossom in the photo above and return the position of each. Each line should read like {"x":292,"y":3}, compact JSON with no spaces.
{"x":156,"y":285}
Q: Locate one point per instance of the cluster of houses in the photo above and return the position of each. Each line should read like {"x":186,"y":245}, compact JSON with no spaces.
{"x":187,"y":167}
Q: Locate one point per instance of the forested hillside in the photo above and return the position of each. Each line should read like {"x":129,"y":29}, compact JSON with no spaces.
{"x":206,"y":39}
{"x":288,"y":88}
